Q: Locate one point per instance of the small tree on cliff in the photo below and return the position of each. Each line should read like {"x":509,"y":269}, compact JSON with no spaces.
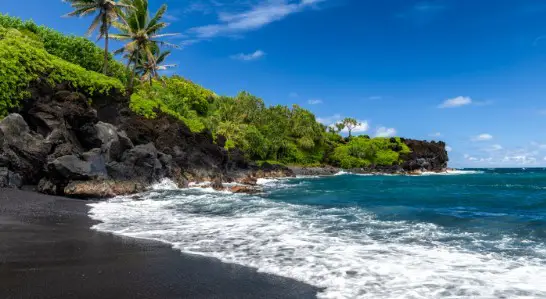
{"x":107,"y":13}
{"x":350,"y":124}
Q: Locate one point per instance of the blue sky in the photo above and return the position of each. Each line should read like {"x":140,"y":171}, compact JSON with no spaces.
{"x":469,"y":72}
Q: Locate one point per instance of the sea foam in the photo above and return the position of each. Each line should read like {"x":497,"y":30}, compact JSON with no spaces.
{"x":345,"y":250}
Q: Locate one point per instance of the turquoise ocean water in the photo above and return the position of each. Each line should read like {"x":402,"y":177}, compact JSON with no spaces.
{"x":473,"y":233}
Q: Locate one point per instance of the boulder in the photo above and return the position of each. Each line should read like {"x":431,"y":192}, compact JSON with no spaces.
{"x":142,"y":163}
{"x":112,"y":142}
{"x":88,"y":166}
{"x":102,"y":189}
{"x":9,"y":179}
{"x":217,"y":185}
{"x":249,"y":180}
{"x":244,"y":190}
{"x":46,"y":186}
{"x":22,"y":151}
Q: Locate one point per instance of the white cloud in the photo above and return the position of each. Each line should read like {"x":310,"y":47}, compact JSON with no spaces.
{"x":250,"y":56}
{"x":482,"y":137}
{"x":456,"y":102}
{"x":385,"y":132}
{"x":363,"y":127}
{"x":449,"y":149}
{"x":437,"y":134}
{"x":293,"y":95}
{"x":375,"y":98}
{"x":536,"y":144}
{"x":329,"y":120}
{"x":493,"y":148}
{"x":254,"y":18}
{"x":314,"y":101}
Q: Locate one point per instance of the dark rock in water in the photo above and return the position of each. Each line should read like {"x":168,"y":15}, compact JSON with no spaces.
{"x":142,"y":163}
{"x":249,"y":180}
{"x":315,"y":171}
{"x":244,"y":190}
{"x":22,"y":151}
{"x":88,"y":166}
{"x":9,"y":179}
{"x":102,"y":189}
{"x":425,"y":156}
{"x":217,"y":185}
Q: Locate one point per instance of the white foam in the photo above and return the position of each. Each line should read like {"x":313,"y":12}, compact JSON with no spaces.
{"x":165,"y":184}
{"x":362,"y":258}
{"x":342,"y":172}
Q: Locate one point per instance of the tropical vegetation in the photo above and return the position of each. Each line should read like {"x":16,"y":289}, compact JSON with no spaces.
{"x":277,"y":134}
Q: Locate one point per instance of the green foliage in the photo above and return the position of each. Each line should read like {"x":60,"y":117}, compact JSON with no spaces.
{"x":277,"y":133}
{"x":24,"y":60}
{"x":74,"y":49}
{"x":363,"y":152}
{"x":177,"y":97}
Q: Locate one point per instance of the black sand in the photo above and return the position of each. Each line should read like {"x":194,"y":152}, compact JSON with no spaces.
{"x":48,"y":251}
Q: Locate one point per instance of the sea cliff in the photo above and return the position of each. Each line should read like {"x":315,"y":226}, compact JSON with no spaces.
{"x":65,"y":145}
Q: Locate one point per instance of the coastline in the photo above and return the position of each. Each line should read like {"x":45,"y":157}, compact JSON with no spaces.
{"x":48,"y":250}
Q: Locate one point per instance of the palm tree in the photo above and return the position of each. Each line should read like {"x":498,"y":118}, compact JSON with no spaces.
{"x":141,"y":33}
{"x":149,"y":70}
{"x":107,"y":12}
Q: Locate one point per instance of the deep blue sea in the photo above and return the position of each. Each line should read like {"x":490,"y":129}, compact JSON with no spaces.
{"x":474,"y":233}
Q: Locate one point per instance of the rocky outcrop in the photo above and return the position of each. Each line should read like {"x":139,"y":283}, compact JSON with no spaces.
{"x":22,"y":151}
{"x":69,"y":143}
{"x":425,"y":156}
{"x":58,"y":141}
{"x":315,"y":171}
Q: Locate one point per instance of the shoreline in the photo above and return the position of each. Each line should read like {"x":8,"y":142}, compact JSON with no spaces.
{"x":48,"y":250}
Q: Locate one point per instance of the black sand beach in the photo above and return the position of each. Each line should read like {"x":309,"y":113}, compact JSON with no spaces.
{"x":48,"y":251}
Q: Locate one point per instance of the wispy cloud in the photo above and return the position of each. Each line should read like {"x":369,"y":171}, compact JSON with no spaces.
{"x":456,"y":102}
{"x":449,"y":149}
{"x":385,"y":132}
{"x":375,"y":98}
{"x":253,"y":18}
{"x":482,"y":137}
{"x":314,"y":101}
{"x":250,"y":56}
{"x":436,"y":134}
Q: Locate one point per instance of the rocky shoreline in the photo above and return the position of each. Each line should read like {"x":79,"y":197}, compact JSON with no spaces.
{"x":70,"y":144}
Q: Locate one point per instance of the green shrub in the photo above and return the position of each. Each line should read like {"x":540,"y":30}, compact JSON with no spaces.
{"x":24,"y":61}
{"x":149,"y":99}
{"x":74,"y":49}
{"x":362,"y":151}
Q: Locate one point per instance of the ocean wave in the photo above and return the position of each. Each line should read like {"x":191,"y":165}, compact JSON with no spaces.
{"x":345,"y":250}
{"x":454,"y":172}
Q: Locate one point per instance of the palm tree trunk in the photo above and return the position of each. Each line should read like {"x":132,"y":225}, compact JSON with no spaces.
{"x":105,"y":30}
{"x":105,"y":70}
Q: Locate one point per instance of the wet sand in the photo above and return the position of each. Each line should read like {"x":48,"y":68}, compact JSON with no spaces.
{"x":47,"y":250}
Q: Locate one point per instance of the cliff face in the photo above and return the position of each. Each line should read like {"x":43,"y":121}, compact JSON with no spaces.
{"x":67,"y":146}
{"x":425,"y":156}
